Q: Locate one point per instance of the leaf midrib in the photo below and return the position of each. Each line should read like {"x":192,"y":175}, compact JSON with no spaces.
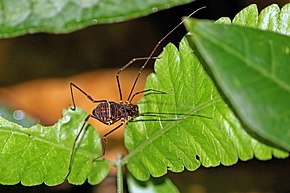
{"x":159,"y":132}
{"x":44,"y":140}
{"x":263,"y":73}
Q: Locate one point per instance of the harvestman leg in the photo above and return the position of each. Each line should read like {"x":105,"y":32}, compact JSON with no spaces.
{"x":74,"y":145}
{"x":104,"y":141}
{"x":84,"y":123}
{"x":126,"y":66}
{"x":86,"y":94}
{"x":104,"y":138}
{"x":147,"y":90}
{"x":149,"y":57}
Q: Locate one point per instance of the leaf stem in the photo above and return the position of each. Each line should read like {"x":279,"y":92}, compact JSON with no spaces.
{"x":120,"y":184}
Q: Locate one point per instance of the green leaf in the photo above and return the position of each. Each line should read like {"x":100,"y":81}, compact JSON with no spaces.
{"x":154,"y":185}
{"x":271,"y":18}
{"x":27,"y":16}
{"x":248,"y":16}
{"x":252,"y":69}
{"x":41,"y":154}
{"x":214,"y":137}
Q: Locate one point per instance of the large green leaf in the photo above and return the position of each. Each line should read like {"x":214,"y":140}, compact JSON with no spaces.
{"x":19,"y":17}
{"x":252,"y":69}
{"x":155,"y":146}
{"x":41,"y":154}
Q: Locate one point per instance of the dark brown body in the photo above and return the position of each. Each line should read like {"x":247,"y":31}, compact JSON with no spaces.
{"x":111,"y":112}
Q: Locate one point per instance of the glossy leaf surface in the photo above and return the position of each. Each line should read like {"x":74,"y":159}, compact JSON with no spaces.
{"x":179,"y":139}
{"x":21,"y":17}
{"x":252,"y":69}
{"x":41,"y":154}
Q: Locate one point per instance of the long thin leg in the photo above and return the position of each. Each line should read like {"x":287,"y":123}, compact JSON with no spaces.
{"x":150,"y":56}
{"x":147,"y":90}
{"x":105,"y":141}
{"x":124,"y":67}
{"x":82,"y":91}
{"x":161,"y":115}
{"x":74,"y":145}
{"x":166,"y":118}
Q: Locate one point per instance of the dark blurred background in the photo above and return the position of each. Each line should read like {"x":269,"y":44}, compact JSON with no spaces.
{"x":110,"y":46}
{"x":102,"y":46}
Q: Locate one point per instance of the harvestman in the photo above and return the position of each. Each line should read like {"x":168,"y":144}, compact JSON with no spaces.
{"x":110,"y":112}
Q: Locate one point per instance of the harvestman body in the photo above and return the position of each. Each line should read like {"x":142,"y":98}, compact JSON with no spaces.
{"x":110,"y":112}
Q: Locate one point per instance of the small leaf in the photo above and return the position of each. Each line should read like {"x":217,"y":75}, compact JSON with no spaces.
{"x":213,"y":137}
{"x":252,"y":68}
{"x":248,"y":16}
{"x":41,"y":154}
{"x":154,"y":185}
{"x":271,"y":18}
{"x":21,"y":17}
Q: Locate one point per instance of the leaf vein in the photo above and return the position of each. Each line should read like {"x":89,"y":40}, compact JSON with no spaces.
{"x":22,"y":161}
{"x":6,"y":142}
{"x":45,"y":140}
{"x":160,"y":132}
{"x":281,"y":84}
